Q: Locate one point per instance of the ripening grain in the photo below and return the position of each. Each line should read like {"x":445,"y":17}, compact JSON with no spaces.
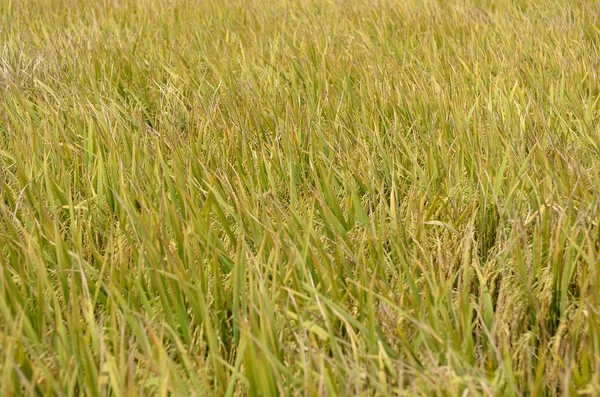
{"x":299,"y":197}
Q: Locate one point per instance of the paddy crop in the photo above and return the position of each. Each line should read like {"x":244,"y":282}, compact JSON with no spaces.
{"x":299,"y":197}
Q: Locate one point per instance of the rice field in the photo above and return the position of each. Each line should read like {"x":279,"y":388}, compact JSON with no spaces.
{"x":299,"y":197}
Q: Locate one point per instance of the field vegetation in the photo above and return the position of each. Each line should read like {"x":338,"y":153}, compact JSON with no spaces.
{"x":299,"y":197}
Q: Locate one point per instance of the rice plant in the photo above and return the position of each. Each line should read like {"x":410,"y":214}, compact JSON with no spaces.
{"x":299,"y":197}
